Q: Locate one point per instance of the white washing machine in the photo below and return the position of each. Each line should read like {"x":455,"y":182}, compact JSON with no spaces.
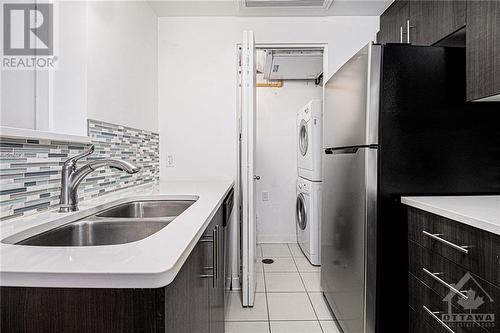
{"x":310,"y":136}
{"x":308,"y":218}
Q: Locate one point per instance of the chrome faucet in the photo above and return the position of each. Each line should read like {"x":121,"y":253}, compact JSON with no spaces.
{"x":72,"y":177}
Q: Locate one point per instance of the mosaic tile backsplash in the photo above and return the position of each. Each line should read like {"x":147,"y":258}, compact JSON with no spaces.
{"x":30,"y":170}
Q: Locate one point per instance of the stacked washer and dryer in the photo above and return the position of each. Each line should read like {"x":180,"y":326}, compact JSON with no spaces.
{"x":308,"y":204}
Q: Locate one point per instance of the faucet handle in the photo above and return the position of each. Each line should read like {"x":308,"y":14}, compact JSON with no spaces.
{"x":74,"y":159}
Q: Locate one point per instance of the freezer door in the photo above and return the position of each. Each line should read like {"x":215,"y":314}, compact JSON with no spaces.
{"x":352,"y":100}
{"x":348,"y":239}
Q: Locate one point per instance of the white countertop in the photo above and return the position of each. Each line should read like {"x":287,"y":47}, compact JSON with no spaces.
{"x":152,"y":262}
{"x":482,"y":212}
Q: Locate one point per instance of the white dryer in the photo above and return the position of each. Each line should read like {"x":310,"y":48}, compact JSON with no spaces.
{"x":310,"y":136}
{"x":308,"y":218}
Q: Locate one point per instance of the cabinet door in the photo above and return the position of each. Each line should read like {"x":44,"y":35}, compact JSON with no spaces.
{"x":483,"y":49}
{"x":186,"y":298}
{"x":198,"y":291}
{"x":216,"y":294}
{"x":432,"y":21}
{"x":393,"y":23}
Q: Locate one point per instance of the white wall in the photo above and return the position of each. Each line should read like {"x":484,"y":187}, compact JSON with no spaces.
{"x":64,"y":108}
{"x":107,"y":70}
{"x":17,"y":99}
{"x":123,"y":63}
{"x":197,"y":81}
{"x":276,"y":160}
{"x":52,"y":100}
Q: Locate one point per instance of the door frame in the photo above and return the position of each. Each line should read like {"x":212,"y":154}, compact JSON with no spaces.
{"x":236,"y":235}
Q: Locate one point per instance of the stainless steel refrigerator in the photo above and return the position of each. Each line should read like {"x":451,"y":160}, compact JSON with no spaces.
{"x":395,"y":123}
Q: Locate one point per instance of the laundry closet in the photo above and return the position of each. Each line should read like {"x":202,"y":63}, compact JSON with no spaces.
{"x":288,"y":137}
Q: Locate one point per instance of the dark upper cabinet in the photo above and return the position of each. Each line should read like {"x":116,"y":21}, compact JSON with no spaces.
{"x":431,"y":21}
{"x":393,"y":23}
{"x":421,"y":22}
{"x":436,"y":22}
{"x":483,"y":49}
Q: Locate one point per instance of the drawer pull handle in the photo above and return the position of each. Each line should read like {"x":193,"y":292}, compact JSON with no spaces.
{"x":444,"y":241}
{"x":444,"y":283}
{"x":207,"y":276}
{"x":206,"y":239}
{"x":434,"y":315}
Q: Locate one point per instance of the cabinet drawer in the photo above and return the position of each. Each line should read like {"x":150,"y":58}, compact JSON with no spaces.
{"x":429,"y":307}
{"x":416,"y":325}
{"x":424,"y":264}
{"x":476,"y":250}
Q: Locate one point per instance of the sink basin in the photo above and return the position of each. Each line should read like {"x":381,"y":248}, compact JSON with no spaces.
{"x":123,"y":223}
{"x":148,"y":209}
{"x":98,"y":232}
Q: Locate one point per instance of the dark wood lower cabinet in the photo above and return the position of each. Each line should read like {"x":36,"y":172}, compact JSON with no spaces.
{"x":216,"y":295}
{"x":187,"y":306}
{"x":50,"y":310}
{"x":416,"y":325}
{"x":448,"y":286}
{"x":192,"y":303}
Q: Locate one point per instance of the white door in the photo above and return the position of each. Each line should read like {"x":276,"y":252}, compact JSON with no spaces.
{"x":248,"y":177}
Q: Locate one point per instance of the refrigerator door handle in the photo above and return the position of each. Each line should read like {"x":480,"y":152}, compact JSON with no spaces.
{"x":347,"y":149}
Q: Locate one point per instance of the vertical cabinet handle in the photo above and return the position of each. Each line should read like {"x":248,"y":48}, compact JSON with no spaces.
{"x":216,"y":243}
{"x":436,"y":318}
{"x":207,"y":239}
{"x":220,"y":256}
{"x":408,"y":29}
{"x":407,"y":33}
{"x":214,"y":253}
{"x":218,"y":251}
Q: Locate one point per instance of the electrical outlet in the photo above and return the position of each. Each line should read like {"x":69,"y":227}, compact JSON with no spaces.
{"x":170,"y":161}
{"x":265,"y":196}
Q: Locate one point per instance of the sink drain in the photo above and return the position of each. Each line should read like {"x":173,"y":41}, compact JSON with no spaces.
{"x":268,"y":261}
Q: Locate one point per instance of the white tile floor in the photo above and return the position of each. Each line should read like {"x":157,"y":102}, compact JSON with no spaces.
{"x":288,"y":298}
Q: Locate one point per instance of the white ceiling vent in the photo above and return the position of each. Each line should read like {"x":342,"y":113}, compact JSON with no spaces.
{"x":313,"y":4}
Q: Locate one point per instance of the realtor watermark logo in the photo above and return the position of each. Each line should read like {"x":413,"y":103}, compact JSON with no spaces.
{"x":28,"y":36}
{"x":473,"y":299}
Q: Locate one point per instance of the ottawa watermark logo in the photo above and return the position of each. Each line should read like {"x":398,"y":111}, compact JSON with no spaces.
{"x":28,"y":36}
{"x":472,"y":302}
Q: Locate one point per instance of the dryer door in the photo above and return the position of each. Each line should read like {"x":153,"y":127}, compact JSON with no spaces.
{"x":303,"y":138}
{"x":301,"y":211}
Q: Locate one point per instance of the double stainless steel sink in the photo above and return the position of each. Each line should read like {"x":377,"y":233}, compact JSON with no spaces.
{"x":147,"y":209}
{"x":119,"y":224}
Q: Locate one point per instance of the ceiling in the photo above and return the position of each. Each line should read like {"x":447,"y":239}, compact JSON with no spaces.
{"x":232,"y":8}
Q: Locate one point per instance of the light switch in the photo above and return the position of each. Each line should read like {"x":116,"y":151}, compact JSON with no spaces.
{"x":265,"y":196}
{"x":170,"y":161}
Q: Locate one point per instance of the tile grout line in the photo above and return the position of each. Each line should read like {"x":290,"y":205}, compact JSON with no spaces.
{"x":266,"y":291}
{"x":307,"y":292}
